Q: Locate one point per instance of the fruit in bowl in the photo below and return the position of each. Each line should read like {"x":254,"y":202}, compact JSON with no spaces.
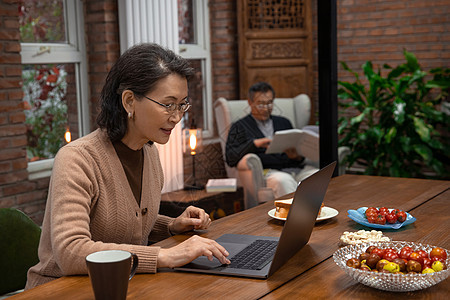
{"x":395,"y":274}
{"x":417,"y":261}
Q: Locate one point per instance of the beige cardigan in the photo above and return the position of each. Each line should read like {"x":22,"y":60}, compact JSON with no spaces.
{"x":91,"y":207}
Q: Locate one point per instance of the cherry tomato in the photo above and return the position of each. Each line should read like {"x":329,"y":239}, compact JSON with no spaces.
{"x":391,"y":218}
{"x":435,"y":258}
{"x":415,"y":256}
{"x":423,"y":253}
{"x":381,"y":219}
{"x":405,"y":252}
{"x":371,"y":214}
{"x":372,"y":219}
{"x":439,"y":252}
{"x":378,"y":251}
{"x":426,"y":263}
{"x":390,"y":250}
{"x":371,"y":210}
{"x":390,"y":256}
{"x":401,"y":216}
{"x":395,"y":211}
{"x":383,"y":211}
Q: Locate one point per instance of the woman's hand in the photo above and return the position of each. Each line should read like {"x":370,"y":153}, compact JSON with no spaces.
{"x":189,"y":250}
{"x":192,"y":218}
{"x":262,"y":142}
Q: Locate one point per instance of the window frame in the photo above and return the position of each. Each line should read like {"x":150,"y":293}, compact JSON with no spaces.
{"x":201,"y":50}
{"x":72,"y":51}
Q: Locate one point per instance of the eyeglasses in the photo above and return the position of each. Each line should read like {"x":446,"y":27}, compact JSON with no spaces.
{"x":268,"y":105}
{"x":171,"y":108}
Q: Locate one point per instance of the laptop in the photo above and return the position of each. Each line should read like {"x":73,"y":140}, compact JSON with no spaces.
{"x":276,"y":251}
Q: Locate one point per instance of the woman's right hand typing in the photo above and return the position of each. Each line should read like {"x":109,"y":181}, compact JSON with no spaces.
{"x":189,"y":250}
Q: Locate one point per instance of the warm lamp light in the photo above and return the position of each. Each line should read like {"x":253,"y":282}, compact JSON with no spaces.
{"x":68,"y":136}
{"x":192,"y":142}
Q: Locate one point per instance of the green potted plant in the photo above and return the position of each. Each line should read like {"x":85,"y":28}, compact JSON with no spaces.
{"x":397,"y":126}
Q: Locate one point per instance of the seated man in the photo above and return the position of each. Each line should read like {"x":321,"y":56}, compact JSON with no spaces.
{"x":253,"y":134}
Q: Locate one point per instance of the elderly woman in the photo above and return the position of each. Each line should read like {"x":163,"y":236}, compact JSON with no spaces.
{"x":105,"y":188}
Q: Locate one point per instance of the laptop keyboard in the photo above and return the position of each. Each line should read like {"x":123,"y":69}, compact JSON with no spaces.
{"x":255,"y":256}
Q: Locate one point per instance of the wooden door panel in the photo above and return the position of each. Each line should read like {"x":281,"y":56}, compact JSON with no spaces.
{"x":287,"y":80}
{"x":270,"y":49}
{"x":275,"y":45}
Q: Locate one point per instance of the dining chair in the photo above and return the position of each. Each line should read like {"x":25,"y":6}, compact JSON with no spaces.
{"x":19,"y":240}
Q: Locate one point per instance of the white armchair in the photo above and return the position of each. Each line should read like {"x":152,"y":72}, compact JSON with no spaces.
{"x":249,"y":171}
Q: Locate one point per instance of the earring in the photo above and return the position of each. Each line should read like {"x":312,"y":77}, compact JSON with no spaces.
{"x":130,"y":115}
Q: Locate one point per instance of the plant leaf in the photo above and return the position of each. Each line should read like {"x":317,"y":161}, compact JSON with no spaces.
{"x":357,"y":119}
{"x":347,"y":68}
{"x":368,"y":69}
{"x":424,"y":151}
{"x":439,"y":84}
{"x":436,"y":144}
{"x":422,"y":129}
{"x":390,"y":135}
{"x":411,"y":60}
{"x":396,"y":72}
{"x":351,"y":90}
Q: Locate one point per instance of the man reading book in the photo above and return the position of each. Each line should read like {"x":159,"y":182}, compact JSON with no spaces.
{"x":253,"y":134}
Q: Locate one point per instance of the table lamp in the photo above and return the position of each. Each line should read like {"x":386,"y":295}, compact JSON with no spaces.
{"x":193,"y":143}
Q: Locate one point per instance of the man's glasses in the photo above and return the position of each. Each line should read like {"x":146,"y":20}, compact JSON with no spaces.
{"x":268,"y":105}
{"x":171,"y":108}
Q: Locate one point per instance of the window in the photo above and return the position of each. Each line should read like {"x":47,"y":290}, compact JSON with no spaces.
{"x":54,"y":77}
{"x":193,"y":30}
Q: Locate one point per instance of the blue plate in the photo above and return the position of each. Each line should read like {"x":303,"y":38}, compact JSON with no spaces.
{"x":358,"y":217}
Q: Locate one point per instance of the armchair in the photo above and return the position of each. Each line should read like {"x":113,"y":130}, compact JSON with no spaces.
{"x":249,"y":171}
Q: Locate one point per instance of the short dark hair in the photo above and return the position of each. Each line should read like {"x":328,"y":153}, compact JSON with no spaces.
{"x":262,"y":87}
{"x":138,"y":69}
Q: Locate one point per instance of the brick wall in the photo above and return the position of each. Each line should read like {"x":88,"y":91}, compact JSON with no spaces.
{"x":15,"y":188}
{"x":224,"y":48}
{"x":379,"y":31}
{"x":102,"y":46}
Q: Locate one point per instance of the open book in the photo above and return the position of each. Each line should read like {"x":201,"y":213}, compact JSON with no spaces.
{"x":305,"y":141}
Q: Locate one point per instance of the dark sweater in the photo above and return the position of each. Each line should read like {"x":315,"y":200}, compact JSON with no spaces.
{"x":240,"y":142}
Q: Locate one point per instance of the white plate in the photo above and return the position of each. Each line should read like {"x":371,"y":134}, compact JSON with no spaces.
{"x":326,"y":213}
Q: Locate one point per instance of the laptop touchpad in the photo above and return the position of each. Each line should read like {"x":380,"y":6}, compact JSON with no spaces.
{"x":203,"y":262}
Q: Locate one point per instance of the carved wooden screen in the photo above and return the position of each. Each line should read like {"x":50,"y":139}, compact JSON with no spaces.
{"x":275,"y":45}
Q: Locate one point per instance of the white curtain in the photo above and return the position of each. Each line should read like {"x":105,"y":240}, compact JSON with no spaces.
{"x":155,"y":21}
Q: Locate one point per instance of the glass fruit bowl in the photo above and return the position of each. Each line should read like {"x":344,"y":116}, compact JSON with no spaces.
{"x":387,"y":281}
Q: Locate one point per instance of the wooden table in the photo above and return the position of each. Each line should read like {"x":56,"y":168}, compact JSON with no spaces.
{"x":311,"y":273}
